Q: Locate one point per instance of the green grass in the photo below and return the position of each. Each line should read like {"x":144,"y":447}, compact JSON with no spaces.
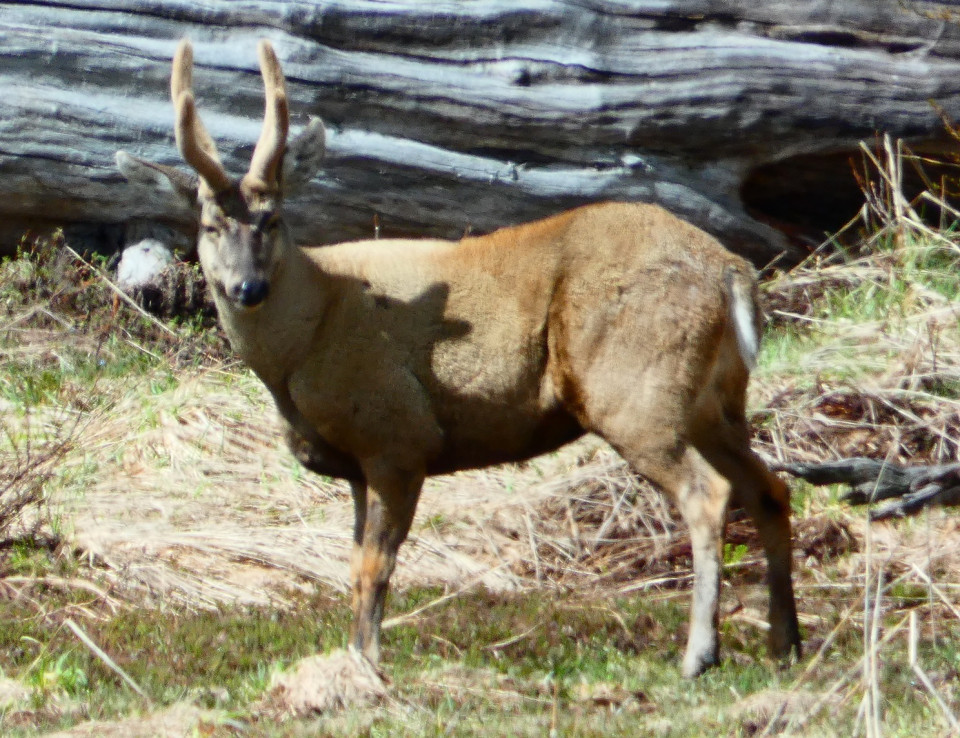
{"x":540,"y":662}
{"x":479,"y":664}
{"x":895,"y":291}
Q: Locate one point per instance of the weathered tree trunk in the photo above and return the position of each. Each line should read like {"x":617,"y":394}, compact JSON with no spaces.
{"x":447,"y":116}
{"x":912,"y":488}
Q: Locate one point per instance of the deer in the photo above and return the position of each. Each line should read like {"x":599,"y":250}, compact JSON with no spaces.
{"x":394,"y":359}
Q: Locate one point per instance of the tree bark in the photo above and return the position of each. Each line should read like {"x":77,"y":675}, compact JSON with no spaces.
{"x":449,"y":117}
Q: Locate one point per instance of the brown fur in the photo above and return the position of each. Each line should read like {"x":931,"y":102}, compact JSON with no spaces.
{"x":396,"y":359}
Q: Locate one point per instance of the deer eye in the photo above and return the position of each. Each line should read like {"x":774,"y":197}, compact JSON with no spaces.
{"x":268,"y":222}
{"x":210,"y":229}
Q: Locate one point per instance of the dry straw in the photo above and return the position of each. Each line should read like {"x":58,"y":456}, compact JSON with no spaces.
{"x":187,"y":495}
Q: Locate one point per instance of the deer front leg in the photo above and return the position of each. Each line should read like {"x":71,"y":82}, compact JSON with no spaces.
{"x":359,"y":492}
{"x":384,"y":509}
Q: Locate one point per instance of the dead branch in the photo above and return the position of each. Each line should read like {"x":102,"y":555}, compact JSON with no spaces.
{"x":912,"y":488}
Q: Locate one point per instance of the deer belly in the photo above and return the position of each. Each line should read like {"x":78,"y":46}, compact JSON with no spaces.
{"x":481,"y":433}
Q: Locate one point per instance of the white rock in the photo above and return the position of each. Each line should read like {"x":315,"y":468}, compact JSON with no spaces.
{"x":141,"y":264}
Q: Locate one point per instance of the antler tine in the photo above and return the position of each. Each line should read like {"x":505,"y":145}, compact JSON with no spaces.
{"x":268,"y":153}
{"x":195,"y":143}
{"x":181,"y":78}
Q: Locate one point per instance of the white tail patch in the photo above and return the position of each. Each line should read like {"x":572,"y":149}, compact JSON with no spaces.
{"x":743,"y":313}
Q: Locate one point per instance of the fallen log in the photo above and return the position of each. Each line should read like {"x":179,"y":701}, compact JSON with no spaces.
{"x":913,"y":488}
{"x":443,"y":118}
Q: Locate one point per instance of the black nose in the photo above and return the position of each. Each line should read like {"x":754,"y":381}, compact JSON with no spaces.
{"x":252,"y":292}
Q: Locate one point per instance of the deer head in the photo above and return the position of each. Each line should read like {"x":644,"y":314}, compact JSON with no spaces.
{"x":243,"y":238}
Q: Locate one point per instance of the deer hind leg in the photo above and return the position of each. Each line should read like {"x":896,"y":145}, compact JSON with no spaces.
{"x":702,"y":496}
{"x":384,"y":508}
{"x":766,"y":498}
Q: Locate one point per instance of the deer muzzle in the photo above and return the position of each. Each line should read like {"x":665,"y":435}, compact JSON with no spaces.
{"x":250,"y":293}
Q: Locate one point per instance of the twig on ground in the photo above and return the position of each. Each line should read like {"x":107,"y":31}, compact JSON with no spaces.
{"x":101,"y":654}
{"x":119,"y":292}
{"x":922,"y":675}
{"x":63,"y":583}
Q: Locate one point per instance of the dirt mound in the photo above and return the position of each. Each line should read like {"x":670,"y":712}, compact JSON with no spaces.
{"x":320,"y":684}
{"x":178,"y":720}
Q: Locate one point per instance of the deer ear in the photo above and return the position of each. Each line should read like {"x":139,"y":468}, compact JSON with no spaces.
{"x":158,"y":176}
{"x":304,"y":156}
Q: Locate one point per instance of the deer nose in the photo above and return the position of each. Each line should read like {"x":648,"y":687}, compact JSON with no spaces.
{"x":252,"y":292}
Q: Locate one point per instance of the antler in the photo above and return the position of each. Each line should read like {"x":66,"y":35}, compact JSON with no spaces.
{"x":195,"y":144}
{"x":268,"y":153}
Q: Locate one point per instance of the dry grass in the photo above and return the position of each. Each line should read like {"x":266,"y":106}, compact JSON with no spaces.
{"x":178,"y":490}
{"x":869,"y":346}
{"x":30,"y":465}
{"x":204,"y":506}
{"x":180,"y":719}
{"x":193,"y":479}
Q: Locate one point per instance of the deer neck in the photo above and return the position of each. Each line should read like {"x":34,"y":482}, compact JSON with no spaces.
{"x":274,"y":338}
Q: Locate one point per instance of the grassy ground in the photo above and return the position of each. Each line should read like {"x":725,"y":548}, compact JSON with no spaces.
{"x":162,"y":558}
{"x":484,"y":664}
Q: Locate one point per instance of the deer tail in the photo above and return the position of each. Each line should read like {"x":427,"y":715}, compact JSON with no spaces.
{"x":744,"y":314}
